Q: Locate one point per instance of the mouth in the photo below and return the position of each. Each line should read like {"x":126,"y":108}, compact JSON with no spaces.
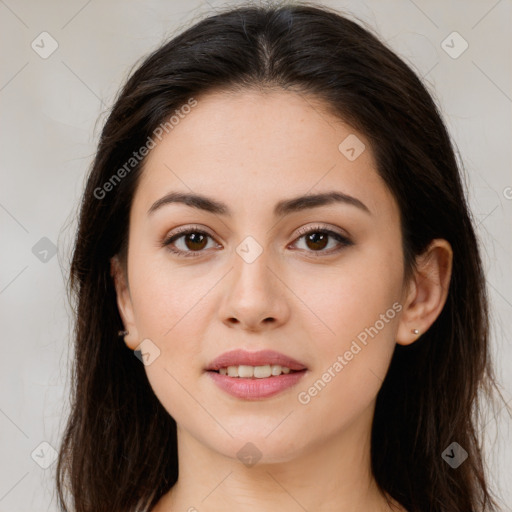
{"x":244,"y":371}
{"x":255,"y":375}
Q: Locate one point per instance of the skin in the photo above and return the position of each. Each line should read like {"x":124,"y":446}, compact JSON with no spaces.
{"x":294,"y":298}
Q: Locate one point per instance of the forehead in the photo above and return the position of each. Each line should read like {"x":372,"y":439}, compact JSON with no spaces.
{"x":252,"y":146}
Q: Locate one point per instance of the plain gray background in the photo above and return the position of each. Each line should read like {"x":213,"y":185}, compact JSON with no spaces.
{"x":52,"y":112}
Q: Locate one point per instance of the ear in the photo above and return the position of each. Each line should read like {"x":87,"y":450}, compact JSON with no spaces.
{"x":427,"y":291}
{"x":124,"y":302}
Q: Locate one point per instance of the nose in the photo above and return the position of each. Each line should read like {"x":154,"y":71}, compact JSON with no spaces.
{"x":254,"y":297}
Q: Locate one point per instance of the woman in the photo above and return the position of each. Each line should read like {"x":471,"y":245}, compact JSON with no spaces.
{"x":274,"y":224}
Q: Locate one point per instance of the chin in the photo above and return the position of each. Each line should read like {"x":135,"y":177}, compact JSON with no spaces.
{"x":257,"y":442}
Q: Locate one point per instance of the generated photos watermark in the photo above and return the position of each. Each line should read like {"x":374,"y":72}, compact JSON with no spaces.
{"x":304,"y":397}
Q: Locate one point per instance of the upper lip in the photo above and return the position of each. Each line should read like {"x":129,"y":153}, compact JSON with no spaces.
{"x":260,"y":358}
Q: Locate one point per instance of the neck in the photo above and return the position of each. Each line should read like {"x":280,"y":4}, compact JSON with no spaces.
{"x":335,"y":475}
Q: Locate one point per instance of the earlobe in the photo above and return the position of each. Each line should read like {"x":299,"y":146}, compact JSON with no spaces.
{"x":427,"y":291}
{"x":124,"y":303}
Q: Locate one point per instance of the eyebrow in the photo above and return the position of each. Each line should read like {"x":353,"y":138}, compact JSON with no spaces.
{"x":283,"y":207}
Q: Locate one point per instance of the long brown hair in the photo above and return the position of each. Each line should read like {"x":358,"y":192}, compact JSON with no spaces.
{"x":119,"y":449}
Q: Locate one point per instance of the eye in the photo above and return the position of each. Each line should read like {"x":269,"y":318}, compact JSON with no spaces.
{"x":194,"y":241}
{"x":317,"y":238}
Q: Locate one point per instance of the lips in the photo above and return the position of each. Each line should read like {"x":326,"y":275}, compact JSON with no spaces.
{"x":260,"y":358}
{"x":255,"y":375}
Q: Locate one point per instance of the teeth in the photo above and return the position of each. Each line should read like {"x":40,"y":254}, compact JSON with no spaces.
{"x":259,"y":372}
{"x":245,"y":372}
{"x":276,"y":369}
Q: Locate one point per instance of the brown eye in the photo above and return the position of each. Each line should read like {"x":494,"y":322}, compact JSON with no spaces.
{"x":316,"y":239}
{"x":195,"y":241}
{"x":190,"y":242}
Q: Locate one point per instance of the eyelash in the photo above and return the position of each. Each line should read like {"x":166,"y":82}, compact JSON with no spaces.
{"x":344,"y":241}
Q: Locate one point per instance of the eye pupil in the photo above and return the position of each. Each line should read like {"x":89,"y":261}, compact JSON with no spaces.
{"x":319,"y":240}
{"x":195,"y":238}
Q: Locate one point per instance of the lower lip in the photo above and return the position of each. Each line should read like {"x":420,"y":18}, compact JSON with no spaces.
{"x":253,"y":389}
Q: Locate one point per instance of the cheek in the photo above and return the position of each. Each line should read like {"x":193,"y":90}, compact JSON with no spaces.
{"x":351,"y":296}
{"x":165,"y":295}
{"x":168,"y":309}
{"x":359,"y":310}
{"x":350,"y":367}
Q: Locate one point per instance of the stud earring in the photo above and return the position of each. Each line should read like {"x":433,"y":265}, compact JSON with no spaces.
{"x":122,"y":333}
{"x":415,"y":331}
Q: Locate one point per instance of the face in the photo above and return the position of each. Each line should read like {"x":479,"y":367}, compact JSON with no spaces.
{"x":317,"y":282}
